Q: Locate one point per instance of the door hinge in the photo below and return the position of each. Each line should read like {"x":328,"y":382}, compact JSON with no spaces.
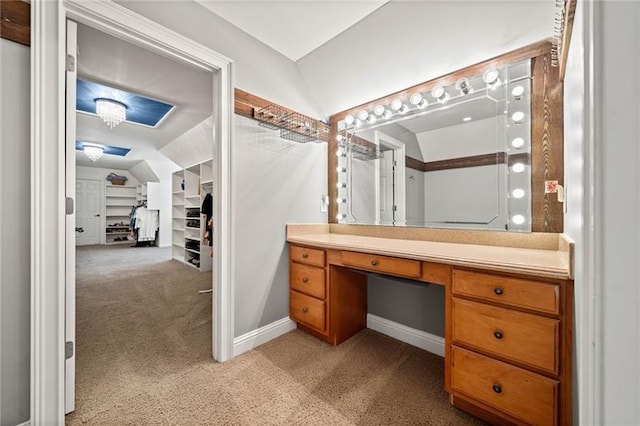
{"x":71,"y":63}
{"x":68,"y":205}
{"x":68,"y":350}
{"x":395,"y":208}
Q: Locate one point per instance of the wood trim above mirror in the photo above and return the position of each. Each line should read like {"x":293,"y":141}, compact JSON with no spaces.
{"x":546,"y":129}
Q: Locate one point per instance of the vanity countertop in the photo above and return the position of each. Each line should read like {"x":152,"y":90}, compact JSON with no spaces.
{"x":549,"y":263}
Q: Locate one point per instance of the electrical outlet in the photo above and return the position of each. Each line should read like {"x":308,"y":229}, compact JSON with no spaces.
{"x":324,"y":203}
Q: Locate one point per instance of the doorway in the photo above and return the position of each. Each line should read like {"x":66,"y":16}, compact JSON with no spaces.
{"x":88,"y":211}
{"x":134,"y":303}
{"x":390,"y":193}
{"x":52,"y":219}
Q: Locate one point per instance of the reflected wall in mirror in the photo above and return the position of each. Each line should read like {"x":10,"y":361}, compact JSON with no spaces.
{"x":468,"y":150}
{"x":456,"y":157}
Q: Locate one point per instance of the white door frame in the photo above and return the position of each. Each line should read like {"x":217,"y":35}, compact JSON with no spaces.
{"x":48,"y":19}
{"x":399,"y":187}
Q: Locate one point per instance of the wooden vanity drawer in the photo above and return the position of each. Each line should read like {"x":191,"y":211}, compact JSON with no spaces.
{"x":307,"y":310}
{"x":529,"y":339}
{"x":383,"y":264}
{"x":536,"y":295}
{"x":522,"y":394}
{"x":306,"y":255}
{"x":307,"y":279}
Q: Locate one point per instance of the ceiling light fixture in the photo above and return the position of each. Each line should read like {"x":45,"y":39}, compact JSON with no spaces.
{"x":111,"y":112}
{"x":93,"y":151}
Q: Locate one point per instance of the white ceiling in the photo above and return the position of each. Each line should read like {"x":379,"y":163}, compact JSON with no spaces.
{"x":113,"y":62}
{"x":293,"y":28}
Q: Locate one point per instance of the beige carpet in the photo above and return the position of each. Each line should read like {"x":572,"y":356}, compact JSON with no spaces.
{"x":143,"y":357}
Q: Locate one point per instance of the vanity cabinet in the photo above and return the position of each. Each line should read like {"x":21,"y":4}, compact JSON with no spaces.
{"x":328,"y":302}
{"x":508,"y":314}
{"x":510,"y":348}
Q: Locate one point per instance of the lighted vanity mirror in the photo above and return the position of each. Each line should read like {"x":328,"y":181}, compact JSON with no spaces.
{"x":456,"y":157}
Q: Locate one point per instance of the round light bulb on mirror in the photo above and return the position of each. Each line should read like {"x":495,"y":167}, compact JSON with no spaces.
{"x":491,"y":76}
{"x":379,"y":110}
{"x":518,"y":219}
{"x":341,"y":153}
{"x":417,"y":100}
{"x":517,"y":92}
{"x":363,"y":115}
{"x":341,"y":185}
{"x":341,"y":200}
{"x":464,"y":86}
{"x":440,"y":94}
{"x":517,"y":143}
{"x":349,"y":119}
{"x":518,"y":168}
{"x":341,"y":169}
{"x":340,"y":138}
{"x":358,"y":122}
{"x":403,"y":109}
{"x":396,"y":105}
{"x":517,"y":117}
{"x":371,"y":119}
{"x":341,"y":216}
{"x":518,"y":193}
{"x":387,"y":114}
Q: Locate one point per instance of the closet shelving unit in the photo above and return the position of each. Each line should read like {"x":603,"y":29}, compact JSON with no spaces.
{"x":189,"y":186}
{"x":141,"y":193}
{"x":119,"y":201}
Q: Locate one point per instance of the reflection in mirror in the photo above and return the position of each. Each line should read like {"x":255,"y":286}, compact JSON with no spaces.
{"x":458,"y":157}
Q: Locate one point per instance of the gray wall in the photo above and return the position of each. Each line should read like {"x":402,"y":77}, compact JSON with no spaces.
{"x":259,"y":69}
{"x":404,"y":43}
{"x":276,"y":182}
{"x":617,"y":210}
{"x":14,"y":229}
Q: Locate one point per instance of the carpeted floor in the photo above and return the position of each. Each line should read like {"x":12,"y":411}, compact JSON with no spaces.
{"x":143,"y":357}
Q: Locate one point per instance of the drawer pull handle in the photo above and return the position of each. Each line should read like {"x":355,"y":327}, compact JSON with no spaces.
{"x":497,"y":389}
{"x":374,"y":262}
{"x":498,"y":334}
{"x":498,"y":291}
{"x":305,"y":280}
{"x":305,"y":310}
{"x":305,"y":255}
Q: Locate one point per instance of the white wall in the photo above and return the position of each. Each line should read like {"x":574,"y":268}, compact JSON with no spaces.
{"x":407,"y":42}
{"x":275,"y":182}
{"x":576,"y":223}
{"x":466,"y":139}
{"x":617,"y":208}
{"x":259,"y":69}
{"x":15,"y":231}
{"x":192,"y":147}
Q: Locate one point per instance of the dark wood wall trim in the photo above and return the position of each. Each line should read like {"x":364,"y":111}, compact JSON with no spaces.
{"x":547,"y":144}
{"x":414,"y":164}
{"x":246,"y":104}
{"x":462,"y":162}
{"x":15,"y":21}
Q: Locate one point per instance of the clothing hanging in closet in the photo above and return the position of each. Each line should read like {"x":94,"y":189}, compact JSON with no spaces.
{"x":146,"y":222}
{"x":207,"y":210}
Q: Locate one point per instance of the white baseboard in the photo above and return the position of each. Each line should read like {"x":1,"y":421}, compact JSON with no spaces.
{"x":421,"y":339}
{"x":257,"y":337}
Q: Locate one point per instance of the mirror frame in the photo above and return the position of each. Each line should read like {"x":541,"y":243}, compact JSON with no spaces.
{"x":547,"y":138}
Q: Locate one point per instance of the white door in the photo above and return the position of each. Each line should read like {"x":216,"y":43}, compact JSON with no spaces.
{"x":70,"y":224}
{"x":387,"y":199}
{"x":88,"y":211}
